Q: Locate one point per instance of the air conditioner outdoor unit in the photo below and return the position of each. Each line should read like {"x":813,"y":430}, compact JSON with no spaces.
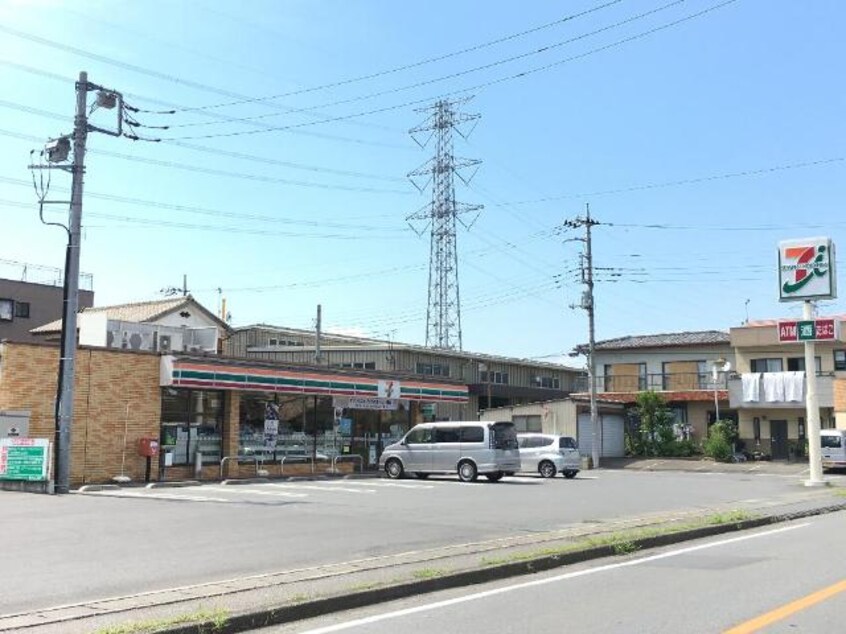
{"x":164,"y":343}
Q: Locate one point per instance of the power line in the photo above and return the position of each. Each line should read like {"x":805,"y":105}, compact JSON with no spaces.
{"x":218,"y":172}
{"x":427,"y":82}
{"x":678,"y":183}
{"x":475,"y":88}
{"x":206,"y":211}
{"x":412,"y":65}
{"x":215,"y":115}
{"x":234,"y":229}
{"x":215,"y":151}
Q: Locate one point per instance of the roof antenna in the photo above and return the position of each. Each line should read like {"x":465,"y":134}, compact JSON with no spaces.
{"x":746,"y":306}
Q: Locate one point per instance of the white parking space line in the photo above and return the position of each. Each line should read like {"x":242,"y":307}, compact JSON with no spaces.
{"x":378,"y":483}
{"x":252,"y":490}
{"x":316,"y":487}
{"x":150,"y":495}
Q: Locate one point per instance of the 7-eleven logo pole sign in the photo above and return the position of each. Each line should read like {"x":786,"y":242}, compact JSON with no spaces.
{"x":806,"y":269}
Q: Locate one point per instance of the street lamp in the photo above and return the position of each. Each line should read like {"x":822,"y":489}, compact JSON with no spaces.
{"x":720,"y":365}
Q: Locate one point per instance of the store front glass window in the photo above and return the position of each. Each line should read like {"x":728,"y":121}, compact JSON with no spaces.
{"x":191,"y":422}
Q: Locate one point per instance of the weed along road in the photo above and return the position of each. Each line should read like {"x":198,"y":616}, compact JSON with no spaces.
{"x":777,"y":579}
{"x":174,"y":546}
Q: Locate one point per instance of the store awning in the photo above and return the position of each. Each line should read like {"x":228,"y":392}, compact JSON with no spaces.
{"x":218,"y":375}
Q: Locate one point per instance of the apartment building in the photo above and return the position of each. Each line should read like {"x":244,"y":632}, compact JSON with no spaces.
{"x":769,"y":387}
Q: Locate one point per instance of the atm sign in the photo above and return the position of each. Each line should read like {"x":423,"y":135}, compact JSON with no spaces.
{"x":808,"y":330}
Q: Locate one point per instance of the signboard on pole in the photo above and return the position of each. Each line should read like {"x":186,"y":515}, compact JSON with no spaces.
{"x":807,"y":330}
{"x":24,"y":459}
{"x":806,"y":270}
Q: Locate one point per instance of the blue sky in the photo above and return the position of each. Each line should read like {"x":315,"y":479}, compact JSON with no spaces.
{"x":725,"y":130}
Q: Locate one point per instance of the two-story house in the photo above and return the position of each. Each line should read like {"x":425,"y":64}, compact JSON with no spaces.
{"x":688,"y":368}
{"x":768,"y":389}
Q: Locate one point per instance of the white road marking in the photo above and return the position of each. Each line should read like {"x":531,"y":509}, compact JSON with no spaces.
{"x":539,"y":582}
{"x":156,"y":496}
{"x":243,"y":489}
{"x":379,"y":483}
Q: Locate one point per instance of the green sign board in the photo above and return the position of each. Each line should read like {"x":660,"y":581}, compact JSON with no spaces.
{"x":24,"y":458}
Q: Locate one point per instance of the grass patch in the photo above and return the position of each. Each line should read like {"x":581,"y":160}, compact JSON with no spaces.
{"x":428,"y":573}
{"x":363,"y":587}
{"x":729,"y":517}
{"x":624,"y":547}
{"x":217,"y":618}
{"x":840,"y":491}
{"x":300,"y":598}
{"x":622,"y":542}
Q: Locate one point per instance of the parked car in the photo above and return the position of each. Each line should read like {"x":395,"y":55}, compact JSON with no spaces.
{"x":833,"y":444}
{"x":467,"y":448}
{"x":548,"y":454}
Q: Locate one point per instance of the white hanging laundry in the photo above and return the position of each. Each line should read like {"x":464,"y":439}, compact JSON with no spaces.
{"x":751,"y":383}
{"x":774,"y":387}
{"x":794,"y":386}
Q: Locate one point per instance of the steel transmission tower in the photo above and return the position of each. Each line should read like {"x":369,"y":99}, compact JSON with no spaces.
{"x":443,"y":314}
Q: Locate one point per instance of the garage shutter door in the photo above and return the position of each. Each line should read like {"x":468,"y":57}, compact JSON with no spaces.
{"x":611,"y":436}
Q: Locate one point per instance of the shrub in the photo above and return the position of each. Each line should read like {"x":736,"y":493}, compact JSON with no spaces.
{"x":719,"y":444}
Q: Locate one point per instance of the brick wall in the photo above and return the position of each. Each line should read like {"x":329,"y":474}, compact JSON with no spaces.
{"x":116,"y":393}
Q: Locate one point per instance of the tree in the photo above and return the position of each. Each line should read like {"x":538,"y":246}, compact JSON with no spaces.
{"x":655,"y":429}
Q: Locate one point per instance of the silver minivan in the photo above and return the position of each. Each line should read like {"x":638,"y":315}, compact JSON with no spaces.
{"x":833,"y":445}
{"x":468,"y":448}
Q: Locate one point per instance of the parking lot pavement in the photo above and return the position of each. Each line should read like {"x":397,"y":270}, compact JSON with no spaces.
{"x":306,"y":490}
{"x":108,"y":560}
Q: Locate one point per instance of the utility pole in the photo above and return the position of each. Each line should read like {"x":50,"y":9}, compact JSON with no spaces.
{"x":67,"y":360}
{"x":56,"y":151}
{"x":443,"y":313}
{"x":318,"y":326}
{"x":588,"y":305}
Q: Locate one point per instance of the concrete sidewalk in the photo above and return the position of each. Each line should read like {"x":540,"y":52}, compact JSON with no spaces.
{"x":245,"y":603}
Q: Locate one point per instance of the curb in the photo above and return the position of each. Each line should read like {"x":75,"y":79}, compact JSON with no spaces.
{"x":98,"y":487}
{"x":172,"y":485}
{"x":265,"y":617}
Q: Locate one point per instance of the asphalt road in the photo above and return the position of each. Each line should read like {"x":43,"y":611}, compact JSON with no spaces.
{"x":788,"y":578}
{"x":78,"y":547}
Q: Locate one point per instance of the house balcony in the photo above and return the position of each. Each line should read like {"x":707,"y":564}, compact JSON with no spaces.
{"x":779,"y":399}
{"x":659,"y":382}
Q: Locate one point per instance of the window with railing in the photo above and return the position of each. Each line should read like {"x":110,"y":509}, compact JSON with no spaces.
{"x":625,"y":377}
{"x":685,"y":375}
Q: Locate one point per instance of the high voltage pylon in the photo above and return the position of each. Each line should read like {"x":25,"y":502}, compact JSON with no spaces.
{"x":443,"y":314}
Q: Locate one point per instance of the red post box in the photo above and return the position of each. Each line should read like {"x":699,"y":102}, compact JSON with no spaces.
{"x":148,"y":447}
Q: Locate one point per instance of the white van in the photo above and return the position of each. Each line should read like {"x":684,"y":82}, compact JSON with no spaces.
{"x":468,"y":448}
{"x":833,"y":443}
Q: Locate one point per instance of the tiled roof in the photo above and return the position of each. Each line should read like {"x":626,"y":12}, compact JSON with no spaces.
{"x":696,"y":338}
{"x":138,"y":312}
